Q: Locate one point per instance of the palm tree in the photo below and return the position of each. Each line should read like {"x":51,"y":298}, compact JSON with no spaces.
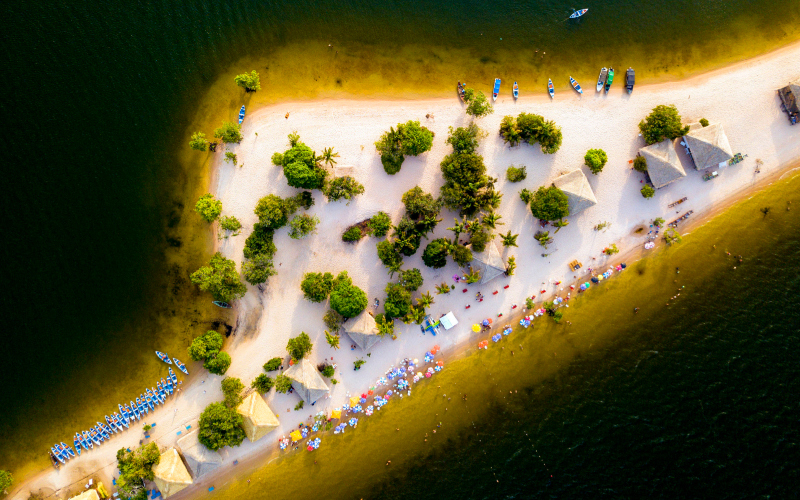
{"x":492,"y":219}
{"x":443,"y":288}
{"x":458,"y":228}
{"x":425,"y":300}
{"x":494,"y":199}
{"x":415,"y":314}
{"x":294,"y":138}
{"x":512,"y":264}
{"x":509,"y":240}
{"x":333,"y":340}
{"x":543,"y":237}
{"x":561,"y":223}
{"x":473,"y":276}
{"x":328,"y":156}
{"x":386,"y":327}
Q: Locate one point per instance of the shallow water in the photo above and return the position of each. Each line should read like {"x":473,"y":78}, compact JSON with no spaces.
{"x":101,"y":97}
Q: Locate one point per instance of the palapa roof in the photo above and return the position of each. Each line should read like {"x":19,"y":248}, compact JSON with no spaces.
{"x":307,"y":381}
{"x":171,"y":475}
{"x":790,"y":95}
{"x":663,"y":165}
{"x":579,"y":193}
{"x":87,"y":495}
{"x":363,"y":330}
{"x":709,"y":146}
{"x":488,"y":263}
{"x":259,"y":420}
{"x":199,"y":459}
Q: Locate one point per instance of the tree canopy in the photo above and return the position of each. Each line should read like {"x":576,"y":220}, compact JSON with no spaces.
{"x":531,"y":128}
{"x":477,"y":103}
{"x":640,"y":164}
{"x":220,"y":279}
{"x":346,"y":298}
{"x":205,"y":346}
{"x":299,"y":346}
{"x":648,"y":191}
{"x":198,"y":141}
{"x":408,"y":139}
{"x":467,"y":187}
{"x":232,"y":388}
{"x":317,"y":286}
{"x":258,"y":269}
{"x":6,"y":480}
{"x":516,"y":174}
{"x":220,"y":426}
{"x":282,"y":383}
{"x":262,"y":383}
{"x":229,"y":132}
{"x":410,"y":279}
{"x":218,"y":364}
{"x":302,"y":225}
{"x":663,"y":122}
{"x":273,"y":364}
{"x":398,"y":301}
{"x":135,"y":467}
{"x":260,"y":241}
{"x":300,"y":166}
{"x":549,"y":204}
{"x":342,"y":188}
{"x":380,"y":224}
{"x":595,"y":159}
{"x":420,"y":205}
{"x":273,"y":211}
{"x":250,"y":81}
{"x":389,"y":255}
{"x":208,"y":207}
{"x":435,"y":254}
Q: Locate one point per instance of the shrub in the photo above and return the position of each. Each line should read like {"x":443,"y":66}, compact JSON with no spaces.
{"x":529,"y":303}
{"x":342,"y":187}
{"x":414,"y":138}
{"x":461,"y":255}
{"x":328,"y":371}
{"x":671,"y":236}
{"x":231,"y":157}
{"x":300,"y":175}
{"x":477,"y":104}
{"x":511,"y":265}
{"x":332,"y":340}
{"x":273,"y":211}
{"x":208,"y":207}
{"x":317,"y":286}
{"x":220,"y":279}
{"x":250,"y":81}
{"x":229,"y":132}
{"x":407,"y":237}
{"x":299,"y":406}
{"x":134,"y":466}
{"x":232,"y":388}
{"x":389,"y":255}
{"x":435,"y":254}
{"x":273,"y":364}
{"x":549,"y":204}
{"x":658,"y":222}
{"x":299,"y":346}
{"x":526,"y":195}
{"x":260,"y":242}
{"x":595,"y":159}
{"x":516,"y":174}
{"x":333,"y":320}
{"x":262,"y":383}
{"x":466,"y":187}
{"x":663,"y":122}
{"x":220,"y":426}
{"x":640,"y":164}
{"x":398,"y":301}
{"x":197,"y":142}
{"x":420,"y":204}
{"x":277,"y":159}
{"x":230,"y":223}
{"x":611,"y":249}
{"x":380,"y":224}
{"x":218,"y":364}
{"x":533,"y":129}
{"x":283,"y":383}
{"x":479,"y":239}
{"x":302,"y":225}
{"x":410,"y":279}
{"x":352,"y":234}
{"x":258,"y":269}
{"x":648,"y":191}
{"x":703,"y":122}
{"x":509,"y":131}
{"x":346,"y":298}
{"x":205,"y":345}
{"x":464,"y":139}
{"x":392,"y":162}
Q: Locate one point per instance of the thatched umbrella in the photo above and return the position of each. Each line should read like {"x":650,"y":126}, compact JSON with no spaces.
{"x":579,"y":193}
{"x":199,"y":459}
{"x":708,"y":146}
{"x":363,"y":330}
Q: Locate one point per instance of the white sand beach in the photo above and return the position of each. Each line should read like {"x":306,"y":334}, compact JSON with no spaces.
{"x":742,"y":98}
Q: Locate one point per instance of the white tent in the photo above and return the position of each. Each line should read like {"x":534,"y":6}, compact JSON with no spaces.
{"x":448,"y":321}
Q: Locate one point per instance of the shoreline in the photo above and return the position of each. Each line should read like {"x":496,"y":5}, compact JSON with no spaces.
{"x":702,"y":217}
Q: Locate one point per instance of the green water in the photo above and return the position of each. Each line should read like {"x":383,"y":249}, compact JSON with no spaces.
{"x":100,"y":100}
{"x":695,"y":399}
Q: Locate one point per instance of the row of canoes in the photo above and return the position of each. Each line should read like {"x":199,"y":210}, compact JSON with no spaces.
{"x":605,"y":80}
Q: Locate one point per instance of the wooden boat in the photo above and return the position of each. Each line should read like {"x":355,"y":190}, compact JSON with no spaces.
{"x":575,"y":85}
{"x":601,"y":80}
{"x":461,"y":90}
{"x":180,"y":366}
{"x":496,"y":89}
{"x":609,"y":79}
{"x":221,"y":304}
{"x":630,"y":79}
{"x":241,"y":114}
{"x":550,"y":89}
{"x":163,"y":357}
{"x":516,"y":91}
{"x":578,"y":13}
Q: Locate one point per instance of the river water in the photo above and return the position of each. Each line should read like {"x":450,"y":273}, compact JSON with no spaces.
{"x":100,"y":100}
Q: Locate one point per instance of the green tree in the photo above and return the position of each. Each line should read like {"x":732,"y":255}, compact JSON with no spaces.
{"x":414,"y":138}
{"x":461,"y":255}
{"x":663,"y":122}
{"x":549,"y":204}
{"x":220,"y":426}
{"x":353,"y":233}
{"x":317,"y":286}
{"x":391,"y":149}
{"x":704,"y":122}
{"x":398,"y":301}
{"x":595,"y":159}
{"x":420,"y":204}
{"x":346,"y":298}
{"x":410,"y":279}
{"x":672,"y":237}
{"x":425,"y":300}
{"x":477,"y":104}
{"x":611,"y":249}
{"x":543,"y":237}
{"x":283,"y":383}
{"x":492,"y":220}
{"x":218,"y":364}
{"x":6,"y":480}
{"x":205,"y":345}
{"x":509,"y":131}
{"x":435,"y":254}
{"x":332,"y":339}
{"x":229,"y":132}
{"x":389,"y":255}
{"x":533,"y":128}
{"x":273,"y":211}
{"x":648,"y":191}
{"x":479,"y":239}
{"x":258,"y":269}
{"x":232,"y":388}
{"x":208,"y":207}
{"x":333,"y":320}
{"x":511,"y":266}
{"x":260,"y":242}
{"x":231,"y":157}
{"x":230,"y":223}
{"x":220,"y":279}
{"x":302,"y":225}
{"x":342,"y":187}
{"x":443,"y":288}
{"x":516,"y":174}
{"x":525,"y":195}
{"x":640,"y":164}
{"x":135,"y":467}
{"x":300,"y":175}
{"x":380,"y":224}
{"x":299,"y":346}
{"x":328,"y":371}
{"x":466,"y":187}
{"x":262,"y":383}
{"x":250,"y":81}
{"x":198,"y":141}
{"x":473,"y":276}
{"x":273,"y":364}
{"x":658,"y":222}
{"x":464,"y":139}
{"x":509,"y":240}
{"x":328,"y":157}
{"x":406,"y":237}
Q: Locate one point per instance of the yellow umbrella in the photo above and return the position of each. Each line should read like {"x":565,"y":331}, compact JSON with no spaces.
{"x":476,"y":327}
{"x":337,"y":413}
{"x":296,"y":435}
{"x":353,"y":401}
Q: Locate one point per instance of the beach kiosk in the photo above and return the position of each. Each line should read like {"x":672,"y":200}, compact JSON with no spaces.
{"x":363,"y":330}
{"x":708,"y":146}
{"x":258,"y":419}
{"x":87,"y":495}
{"x":579,"y":193}
{"x":488,"y":263}
{"x":307,"y":381}
{"x":171,"y":475}
{"x":199,"y":459}
{"x":663,"y":166}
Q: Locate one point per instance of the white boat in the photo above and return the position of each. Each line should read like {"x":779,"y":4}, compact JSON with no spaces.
{"x":578,"y":13}
{"x":575,"y":85}
{"x":516,"y":91}
{"x":550,"y":89}
{"x":601,"y":80}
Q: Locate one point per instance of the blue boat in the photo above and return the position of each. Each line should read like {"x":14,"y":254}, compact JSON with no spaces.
{"x":88,"y":438}
{"x":135,"y":411}
{"x":496,"y":89}
{"x":516,"y":91}
{"x":68,"y":449}
{"x":95,"y":436}
{"x":221,"y":304}
{"x":103,"y":431}
{"x":241,"y":115}
{"x":58,"y":455}
{"x":170,"y":387}
{"x":575,"y":85}
{"x":122,"y":420}
{"x":155,"y":396}
{"x":149,"y":399}
{"x":180,"y":366}
{"x":172,"y":376}
{"x":126,"y":416}
{"x":578,"y":13}
{"x":110,"y":427}
{"x":163,"y":357}
{"x":77,"y":442}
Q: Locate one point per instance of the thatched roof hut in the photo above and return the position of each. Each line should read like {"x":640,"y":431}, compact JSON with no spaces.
{"x":307,"y":381}
{"x":259,"y":420}
{"x":708,"y":146}
{"x":90,"y":494}
{"x":199,"y":459}
{"x":363,"y":330}
{"x":663,"y":165}
{"x":488,"y":263}
{"x":171,"y":475}
{"x":579,"y":193}
{"x":790,"y":96}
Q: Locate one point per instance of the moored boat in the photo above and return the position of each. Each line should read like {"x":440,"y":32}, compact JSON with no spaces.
{"x":630,"y":79}
{"x":122,"y":420}
{"x":550,"y":89}
{"x":135,"y":410}
{"x":111,"y":426}
{"x":601,"y":80}
{"x":575,"y":85}
{"x":461,"y":90}
{"x":496,"y":89}
{"x":180,"y":366}
{"x":77,"y":442}
{"x":125,"y":415}
{"x":610,"y":79}
{"x":516,"y":91}
{"x":89,"y":439}
{"x":53,"y":459}
{"x":163,"y":357}
{"x":172,"y":376}
{"x":103,"y":430}
{"x":58,"y":455}
{"x":68,"y":450}
{"x":86,"y":441}
{"x":578,"y":13}
{"x":221,"y":304}
{"x":241,"y":114}
{"x":95,"y":436}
